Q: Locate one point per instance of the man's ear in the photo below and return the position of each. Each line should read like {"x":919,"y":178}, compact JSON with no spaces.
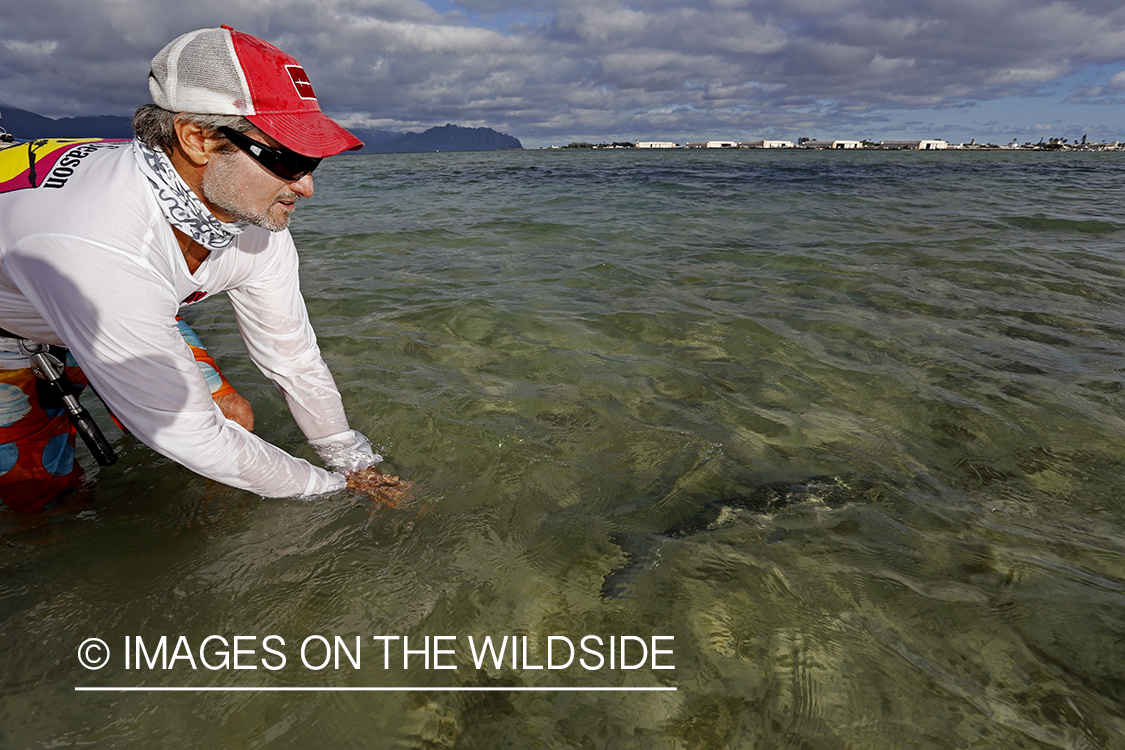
{"x":196,"y":143}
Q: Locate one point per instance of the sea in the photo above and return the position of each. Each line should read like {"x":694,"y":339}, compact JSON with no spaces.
{"x":710,"y":449}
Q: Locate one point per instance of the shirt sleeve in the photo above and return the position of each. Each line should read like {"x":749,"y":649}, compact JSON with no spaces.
{"x":118,"y":319}
{"x":274,"y":323}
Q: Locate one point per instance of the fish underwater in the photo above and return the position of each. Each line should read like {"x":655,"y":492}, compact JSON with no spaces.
{"x":642,"y":550}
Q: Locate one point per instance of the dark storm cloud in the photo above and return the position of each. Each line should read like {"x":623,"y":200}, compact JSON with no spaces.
{"x":545,"y":69}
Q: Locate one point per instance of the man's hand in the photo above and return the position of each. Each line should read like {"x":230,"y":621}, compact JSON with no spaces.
{"x":384,"y":488}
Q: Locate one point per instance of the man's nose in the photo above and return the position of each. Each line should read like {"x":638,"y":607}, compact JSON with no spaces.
{"x":304,"y":186}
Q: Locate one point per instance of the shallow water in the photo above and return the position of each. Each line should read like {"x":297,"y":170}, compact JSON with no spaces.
{"x":575,"y":353}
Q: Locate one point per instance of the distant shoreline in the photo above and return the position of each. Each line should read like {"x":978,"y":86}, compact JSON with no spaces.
{"x":848,"y":145}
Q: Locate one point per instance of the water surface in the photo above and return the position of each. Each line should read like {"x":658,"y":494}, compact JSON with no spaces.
{"x":575,"y":353}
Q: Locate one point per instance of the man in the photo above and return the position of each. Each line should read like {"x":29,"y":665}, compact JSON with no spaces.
{"x":107,"y":240}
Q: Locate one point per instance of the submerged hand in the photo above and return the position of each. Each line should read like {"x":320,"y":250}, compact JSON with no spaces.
{"x":387,"y":489}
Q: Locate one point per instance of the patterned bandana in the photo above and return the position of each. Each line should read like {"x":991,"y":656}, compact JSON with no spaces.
{"x":180,"y":204}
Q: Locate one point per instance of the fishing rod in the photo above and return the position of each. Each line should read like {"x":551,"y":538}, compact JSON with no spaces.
{"x":50,"y":369}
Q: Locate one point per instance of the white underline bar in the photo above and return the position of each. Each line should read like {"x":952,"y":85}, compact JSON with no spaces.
{"x":367,"y":689}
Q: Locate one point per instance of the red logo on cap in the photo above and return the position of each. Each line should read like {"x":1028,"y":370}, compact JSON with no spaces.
{"x":301,"y":82}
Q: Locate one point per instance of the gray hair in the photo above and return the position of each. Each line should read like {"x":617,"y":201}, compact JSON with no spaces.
{"x":156,"y":126}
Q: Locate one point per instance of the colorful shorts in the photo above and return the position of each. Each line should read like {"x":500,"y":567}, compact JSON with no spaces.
{"x":37,"y":466}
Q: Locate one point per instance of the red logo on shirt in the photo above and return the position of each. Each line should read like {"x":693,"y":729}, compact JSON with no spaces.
{"x":301,"y":82}
{"x":193,"y":297}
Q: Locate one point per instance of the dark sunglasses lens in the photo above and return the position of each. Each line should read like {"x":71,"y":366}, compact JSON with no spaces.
{"x":286,"y":164}
{"x":293,"y":166}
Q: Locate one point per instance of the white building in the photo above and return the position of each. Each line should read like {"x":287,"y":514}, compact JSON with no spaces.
{"x":766,"y":144}
{"x":656,"y":144}
{"x":928,"y":145}
{"x":832,"y":144}
{"x":712,"y":144}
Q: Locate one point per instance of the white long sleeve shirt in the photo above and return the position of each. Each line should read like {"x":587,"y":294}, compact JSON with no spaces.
{"x":88,"y":261}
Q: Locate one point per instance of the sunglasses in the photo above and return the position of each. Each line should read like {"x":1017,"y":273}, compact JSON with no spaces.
{"x":288,"y":165}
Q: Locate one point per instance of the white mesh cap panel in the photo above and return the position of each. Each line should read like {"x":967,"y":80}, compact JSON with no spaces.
{"x":199,"y":72}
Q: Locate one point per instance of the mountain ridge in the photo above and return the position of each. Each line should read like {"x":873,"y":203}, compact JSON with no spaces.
{"x":27,"y":125}
{"x":442,"y":138}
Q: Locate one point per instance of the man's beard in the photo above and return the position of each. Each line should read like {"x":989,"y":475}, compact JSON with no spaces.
{"x":220,"y":188}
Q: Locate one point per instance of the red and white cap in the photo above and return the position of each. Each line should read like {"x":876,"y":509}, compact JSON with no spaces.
{"x":225,"y":72}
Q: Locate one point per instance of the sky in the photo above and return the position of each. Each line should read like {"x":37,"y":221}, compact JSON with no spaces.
{"x":551,"y":72}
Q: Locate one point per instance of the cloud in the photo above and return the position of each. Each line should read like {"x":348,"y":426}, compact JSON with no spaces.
{"x":554,"y":68}
{"x":1112,"y":93}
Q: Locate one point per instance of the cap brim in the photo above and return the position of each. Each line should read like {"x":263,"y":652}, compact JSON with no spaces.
{"x":309,"y":133}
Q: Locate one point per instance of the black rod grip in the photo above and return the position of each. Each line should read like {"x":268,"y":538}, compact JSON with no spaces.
{"x":92,"y":436}
{"x":83,"y":423}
